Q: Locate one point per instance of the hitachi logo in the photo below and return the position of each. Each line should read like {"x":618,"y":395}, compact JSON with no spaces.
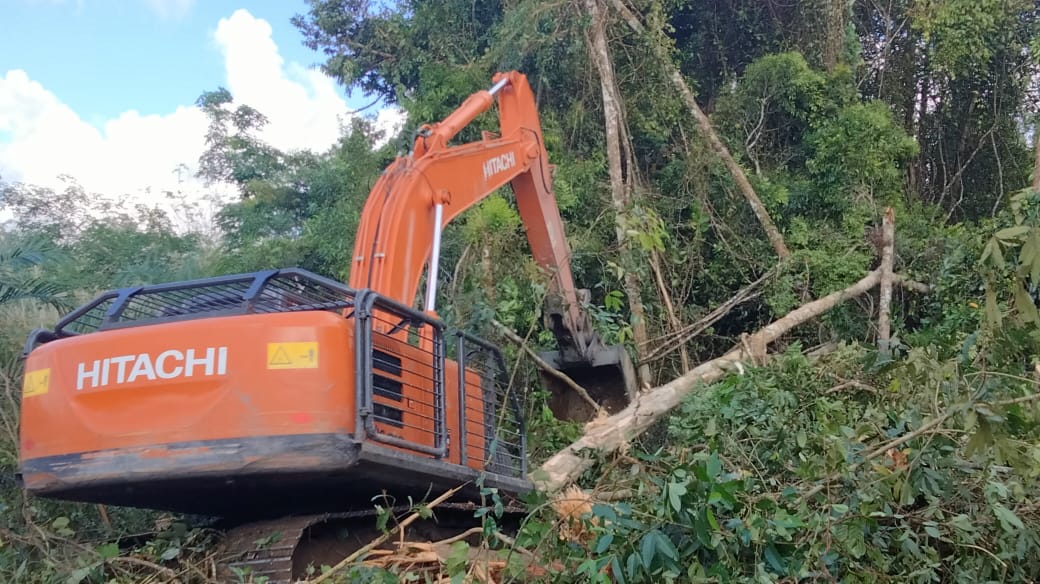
{"x":497,"y":164}
{"x":166,"y":365}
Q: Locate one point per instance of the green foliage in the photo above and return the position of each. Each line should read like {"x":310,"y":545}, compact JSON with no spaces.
{"x":966,"y":34}
{"x":730,"y":498}
{"x":860,"y":153}
{"x":1010,"y":264}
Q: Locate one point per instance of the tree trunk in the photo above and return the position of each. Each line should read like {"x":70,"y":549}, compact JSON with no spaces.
{"x":888,"y":231}
{"x":487,"y":270}
{"x":739,"y":176}
{"x":608,"y":434}
{"x":1036,"y":166}
{"x":620,"y":187}
{"x":834,"y":33}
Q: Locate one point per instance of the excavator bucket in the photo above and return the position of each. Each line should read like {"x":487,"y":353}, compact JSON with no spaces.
{"x":606,"y":374}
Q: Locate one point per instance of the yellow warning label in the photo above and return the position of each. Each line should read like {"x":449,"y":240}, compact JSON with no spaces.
{"x":292,"y":355}
{"x":36,"y":382}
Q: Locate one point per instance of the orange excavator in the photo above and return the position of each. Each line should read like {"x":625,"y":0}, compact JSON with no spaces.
{"x":282,"y":394}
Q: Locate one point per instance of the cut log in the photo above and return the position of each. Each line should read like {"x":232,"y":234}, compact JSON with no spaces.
{"x":609,"y":434}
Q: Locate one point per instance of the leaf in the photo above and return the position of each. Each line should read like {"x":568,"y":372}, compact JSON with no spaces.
{"x":604,"y":542}
{"x":665,"y":546}
{"x":714,"y":465}
{"x":992,"y":310}
{"x":456,"y":561}
{"x":170,"y":553}
{"x":605,"y":512}
{"x":108,"y":550}
{"x":616,"y":571}
{"x":79,"y":575}
{"x":675,"y":493}
{"x":774,"y":559}
{"x":648,"y":549}
{"x":1008,"y":520}
{"x":711,"y":518}
{"x":1024,"y":304}
{"x":993,"y":253}
{"x":1012,"y":233}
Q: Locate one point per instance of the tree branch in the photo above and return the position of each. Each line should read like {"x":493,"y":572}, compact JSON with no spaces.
{"x":544,"y":366}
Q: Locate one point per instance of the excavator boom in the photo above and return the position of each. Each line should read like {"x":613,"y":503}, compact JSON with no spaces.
{"x":419,"y":194}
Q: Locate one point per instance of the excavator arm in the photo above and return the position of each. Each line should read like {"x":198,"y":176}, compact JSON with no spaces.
{"x":419,"y":194}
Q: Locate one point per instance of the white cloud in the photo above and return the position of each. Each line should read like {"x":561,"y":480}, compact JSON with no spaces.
{"x":130,"y":154}
{"x":138,"y":155}
{"x":302,"y":105}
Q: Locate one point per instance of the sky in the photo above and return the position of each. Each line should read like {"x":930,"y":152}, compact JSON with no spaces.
{"x":104,"y":90}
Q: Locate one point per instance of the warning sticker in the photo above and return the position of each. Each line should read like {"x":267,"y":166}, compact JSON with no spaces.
{"x":36,"y":382}
{"x":292,"y":355}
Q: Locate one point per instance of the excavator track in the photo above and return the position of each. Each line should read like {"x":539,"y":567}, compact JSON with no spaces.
{"x":280,"y":551}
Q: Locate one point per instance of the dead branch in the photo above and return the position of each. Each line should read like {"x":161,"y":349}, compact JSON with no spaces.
{"x":400,"y":527}
{"x":609,"y":434}
{"x":544,"y":366}
{"x":911,"y":285}
{"x":673,"y":319}
{"x":168,"y":573}
{"x":888,"y":226}
{"x":673,"y":340}
{"x":739,"y":176}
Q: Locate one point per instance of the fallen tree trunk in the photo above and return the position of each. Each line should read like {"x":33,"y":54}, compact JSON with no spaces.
{"x":609,"y":434}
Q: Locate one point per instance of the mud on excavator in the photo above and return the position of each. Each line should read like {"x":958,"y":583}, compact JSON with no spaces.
{"x":285,"y":399}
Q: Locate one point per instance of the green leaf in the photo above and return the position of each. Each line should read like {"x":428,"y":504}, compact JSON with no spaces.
{"x":1012,"y":233}
{"x":648,"y":549}
{"x":605,"y":512}
{"x":108,"y":550}
{"x":79,"y":575}
{"x":993,"y":252}
{"x":1024,"y":304}
{"x":170,"y":553}
{"x":992,"y":310}
{"x":457,"y":558}
{"x":774,"y":559}
{"x":665,"y":546}
{"x":675,"y":493}
{"x":616,"y":571}
{"x":1008,"y":520}
{"x":604,"y":542}
{"x":711,"y":518}
{"x":714,"y":465}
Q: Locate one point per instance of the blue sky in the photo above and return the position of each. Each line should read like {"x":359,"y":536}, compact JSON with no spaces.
{"x":103,"y":57}
{"x":104,"y":90}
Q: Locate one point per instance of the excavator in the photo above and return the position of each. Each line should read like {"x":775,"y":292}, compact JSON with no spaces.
{"x":285,"y":400}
